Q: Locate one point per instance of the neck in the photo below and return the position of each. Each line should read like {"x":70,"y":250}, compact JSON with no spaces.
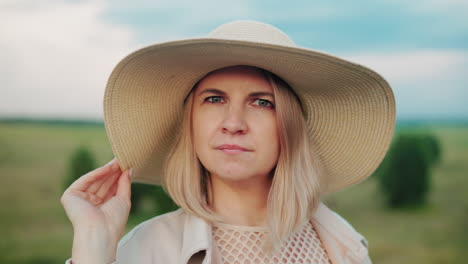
{"x":241,"y":202}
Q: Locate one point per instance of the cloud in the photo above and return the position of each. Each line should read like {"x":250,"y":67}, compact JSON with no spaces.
{"x":163,"y":20}
{"x":415,"y":66}
{"x":57,"y":57}
{"x":427,"y":83}
{"x":57,"y":54}
{"x":329,"y":25}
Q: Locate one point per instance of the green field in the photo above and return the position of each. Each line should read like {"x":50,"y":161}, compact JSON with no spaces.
{"x":35,"y":229}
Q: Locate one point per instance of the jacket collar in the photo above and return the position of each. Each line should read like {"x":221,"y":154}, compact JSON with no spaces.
{"x":196,"y":238}
{"x":338,"y":237}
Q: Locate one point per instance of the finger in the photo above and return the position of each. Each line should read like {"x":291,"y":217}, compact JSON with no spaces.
{"x":123,"y":189}
{"x":86,"y":180}
{"x":96,"y":186}
{"x":111,"y":193}
{"x":104,"y":188}
{"x":93,"y":188}
{"x":88,"y":197}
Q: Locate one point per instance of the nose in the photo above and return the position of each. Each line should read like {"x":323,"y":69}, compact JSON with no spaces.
{"x":234,"y":121}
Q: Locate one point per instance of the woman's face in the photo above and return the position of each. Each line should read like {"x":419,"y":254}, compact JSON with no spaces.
{"x":234,"y":124}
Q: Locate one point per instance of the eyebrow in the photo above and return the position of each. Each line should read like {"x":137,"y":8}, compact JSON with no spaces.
{"x":219,"y":92}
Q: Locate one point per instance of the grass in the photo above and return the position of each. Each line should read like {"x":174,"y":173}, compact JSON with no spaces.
{"x":35,"y":229}
{"x":436,"y":233}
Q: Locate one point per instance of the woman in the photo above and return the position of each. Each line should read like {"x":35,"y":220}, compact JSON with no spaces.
{"x":246,"y":132}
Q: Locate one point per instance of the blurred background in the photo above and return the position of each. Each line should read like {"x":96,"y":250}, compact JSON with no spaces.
{"x":56,"y":56}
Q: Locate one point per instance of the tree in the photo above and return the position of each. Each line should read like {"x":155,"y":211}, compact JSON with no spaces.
{"x":432,"y":148}
{"x":81,"y":162}
{"x":163,"y":201}
{"x":154,"y":194}
{"x":139,"y":192}
{"x":405,"y":173}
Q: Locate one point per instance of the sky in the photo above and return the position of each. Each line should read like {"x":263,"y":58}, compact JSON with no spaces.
{"x":56,"y":55}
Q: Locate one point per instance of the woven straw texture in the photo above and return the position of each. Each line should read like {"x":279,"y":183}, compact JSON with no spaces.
{"x":349,"y":109}
{"x":242,"y":245}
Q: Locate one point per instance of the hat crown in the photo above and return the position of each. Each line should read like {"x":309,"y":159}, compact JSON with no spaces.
{"x":248,"y":30}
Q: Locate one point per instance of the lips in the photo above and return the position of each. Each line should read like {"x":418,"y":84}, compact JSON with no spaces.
{"x":232,"y":148}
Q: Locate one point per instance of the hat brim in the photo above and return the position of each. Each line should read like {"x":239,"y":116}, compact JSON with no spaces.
{"x":349,"y":109}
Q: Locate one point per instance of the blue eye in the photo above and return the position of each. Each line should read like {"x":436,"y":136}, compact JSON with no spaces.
{"x":264,"y":103}
{"x":214,"y":99}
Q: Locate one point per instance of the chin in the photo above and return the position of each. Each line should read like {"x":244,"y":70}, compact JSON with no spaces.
{"x":235,"y":175}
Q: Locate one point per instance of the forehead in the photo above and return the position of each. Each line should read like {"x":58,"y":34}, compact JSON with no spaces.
{"x":236,"y":77}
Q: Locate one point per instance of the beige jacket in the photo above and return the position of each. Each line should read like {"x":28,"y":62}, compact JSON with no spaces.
{"x":182,"y":238}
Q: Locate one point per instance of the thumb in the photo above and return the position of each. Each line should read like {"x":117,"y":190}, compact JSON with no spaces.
{"x":123,"y":189}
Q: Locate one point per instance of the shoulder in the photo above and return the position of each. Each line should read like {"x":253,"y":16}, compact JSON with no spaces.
{"x":344,"y":244}
{"x":161,"y":233}
{"x":336,"y":225}
{"x":362,"y":239}
{"x":162,"y":224}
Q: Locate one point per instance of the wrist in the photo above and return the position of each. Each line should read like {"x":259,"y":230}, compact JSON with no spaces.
{"x":93,"y":246}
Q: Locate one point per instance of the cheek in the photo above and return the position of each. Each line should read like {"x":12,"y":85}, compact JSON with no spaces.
{"x":266,"y":134}
{"x":204,"y":125}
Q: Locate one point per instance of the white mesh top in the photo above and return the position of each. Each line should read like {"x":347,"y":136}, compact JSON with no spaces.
{"x":242,"y":245}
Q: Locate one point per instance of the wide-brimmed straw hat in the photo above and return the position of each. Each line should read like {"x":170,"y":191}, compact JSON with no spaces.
{"x":349,"y":109}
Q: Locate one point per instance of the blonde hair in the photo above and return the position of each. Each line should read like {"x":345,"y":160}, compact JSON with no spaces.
{"x":295,"y":190}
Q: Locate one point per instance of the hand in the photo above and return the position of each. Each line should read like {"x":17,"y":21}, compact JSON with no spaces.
{"x":100,"y":201}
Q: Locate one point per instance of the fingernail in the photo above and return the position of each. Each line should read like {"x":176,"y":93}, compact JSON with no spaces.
{"x":130,"y":173}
